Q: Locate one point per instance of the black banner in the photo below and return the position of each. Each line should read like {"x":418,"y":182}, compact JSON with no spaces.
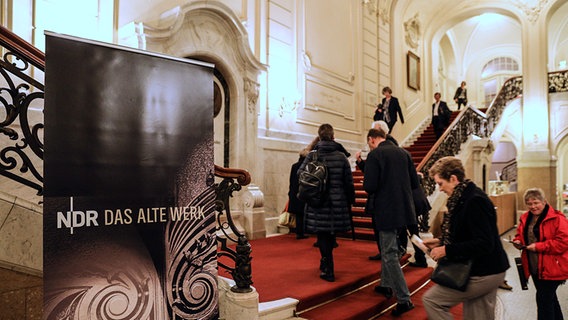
{"x":129,"y":221}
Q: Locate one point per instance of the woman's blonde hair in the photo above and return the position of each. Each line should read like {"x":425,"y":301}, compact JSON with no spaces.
{"x":534,"y":193}
{"x":304,"y":152}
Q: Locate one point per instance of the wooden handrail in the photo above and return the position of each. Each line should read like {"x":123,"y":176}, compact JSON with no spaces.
{"x":10,"y":40}
{"x":242,"y":176}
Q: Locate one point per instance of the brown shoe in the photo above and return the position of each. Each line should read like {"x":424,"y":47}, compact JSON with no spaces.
{"x":505,"y":285}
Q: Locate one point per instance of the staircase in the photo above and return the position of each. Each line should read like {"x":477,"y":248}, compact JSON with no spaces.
{"x":362,"y":221}
{"x":359,"y":301}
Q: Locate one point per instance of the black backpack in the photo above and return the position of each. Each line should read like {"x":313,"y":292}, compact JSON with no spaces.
{"x":312,"y":184}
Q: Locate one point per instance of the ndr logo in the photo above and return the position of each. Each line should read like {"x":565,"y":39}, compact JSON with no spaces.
{"x":74,"y":219}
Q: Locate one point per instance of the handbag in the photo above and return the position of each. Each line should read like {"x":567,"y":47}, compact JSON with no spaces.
{"x":287,"y":219}
{"x":452,"y":274}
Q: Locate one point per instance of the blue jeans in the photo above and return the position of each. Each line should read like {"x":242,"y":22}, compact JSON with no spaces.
{"x":391,"y":272}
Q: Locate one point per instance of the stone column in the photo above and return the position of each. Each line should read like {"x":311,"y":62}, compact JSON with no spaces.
{"x":536,"y":166}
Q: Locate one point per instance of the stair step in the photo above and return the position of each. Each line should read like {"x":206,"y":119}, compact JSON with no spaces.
{"x":361,"y":194}
{"x":360,"y":202}
{"x":359,"y":222}
{"x":365,"y":303}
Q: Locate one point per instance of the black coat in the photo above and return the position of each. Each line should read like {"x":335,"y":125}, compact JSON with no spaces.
{"x":335,"y":214}
{"x":474,"y":234}
{"x":394,"y":110}
{"x":390,"y":177}
{"x":459,"y":91}
{"x":444,"y":114}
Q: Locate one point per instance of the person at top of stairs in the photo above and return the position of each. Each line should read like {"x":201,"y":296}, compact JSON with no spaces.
{"x":391,"y":109}
{"x":440,"y":115}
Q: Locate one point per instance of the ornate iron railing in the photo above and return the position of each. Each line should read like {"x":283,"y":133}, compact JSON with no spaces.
{"x":20,"y":91}
{"x":472,"y":121}
{"x":242,"y":271}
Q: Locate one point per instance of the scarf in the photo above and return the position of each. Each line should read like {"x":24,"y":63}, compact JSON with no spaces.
{"x":452,"y":203}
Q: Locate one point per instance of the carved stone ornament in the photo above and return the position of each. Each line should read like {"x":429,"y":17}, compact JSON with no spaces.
{"x":532,"y":10}
{"x":412,"y":31}
{"x":251,"y":92}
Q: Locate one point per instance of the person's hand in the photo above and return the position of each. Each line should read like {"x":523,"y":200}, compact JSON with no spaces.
{"x":518,"y":244}
{"x":438,"y":253}
{"x":432,"y":243}
{"x":456,"y":100}
{"x":531,"y":247}
{"x":358,"y":156}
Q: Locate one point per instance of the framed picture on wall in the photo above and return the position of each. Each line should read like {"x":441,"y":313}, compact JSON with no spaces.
{"x":413,"y":70}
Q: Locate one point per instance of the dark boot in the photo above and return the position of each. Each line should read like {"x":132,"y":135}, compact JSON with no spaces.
{"x":327,"y":273}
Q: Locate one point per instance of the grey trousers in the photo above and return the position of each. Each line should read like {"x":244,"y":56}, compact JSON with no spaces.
{"x":478,"y":300}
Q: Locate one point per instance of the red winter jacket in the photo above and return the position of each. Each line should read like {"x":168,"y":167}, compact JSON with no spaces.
{"x":552,"y":245}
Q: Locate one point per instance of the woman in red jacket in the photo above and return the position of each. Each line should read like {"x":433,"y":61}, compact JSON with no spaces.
{"x":543,"y":234}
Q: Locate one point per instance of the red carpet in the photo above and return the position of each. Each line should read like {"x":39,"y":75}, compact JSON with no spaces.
{"x":365,"y":303}
{"x":285,"y":267}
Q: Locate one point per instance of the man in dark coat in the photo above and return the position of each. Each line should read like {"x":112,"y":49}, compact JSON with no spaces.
{"x":440,"y":115}
{"x":361,"y":165}
{"x":334,"y":214}
{"x":389,"y":179}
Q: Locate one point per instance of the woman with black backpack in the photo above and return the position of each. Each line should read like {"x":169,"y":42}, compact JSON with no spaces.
{"x":331,"y":213}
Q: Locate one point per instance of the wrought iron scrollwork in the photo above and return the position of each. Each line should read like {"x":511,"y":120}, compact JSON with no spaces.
{"x":242,"y":270}
{"x":20,"y":91}
{"x":474,"y":122}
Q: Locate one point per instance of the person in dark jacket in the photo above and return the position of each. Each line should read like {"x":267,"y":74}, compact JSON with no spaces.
{"x":469,"y":231}
{"x":334,"y":214}
{"x":295,"y":205}
{"x":361,"y":165}
{"x":440,"y":115}
{"x":391,"y":109}
{"x":461,"y":95}
{"x":389,"y":179}
{"x":542,"y":234}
